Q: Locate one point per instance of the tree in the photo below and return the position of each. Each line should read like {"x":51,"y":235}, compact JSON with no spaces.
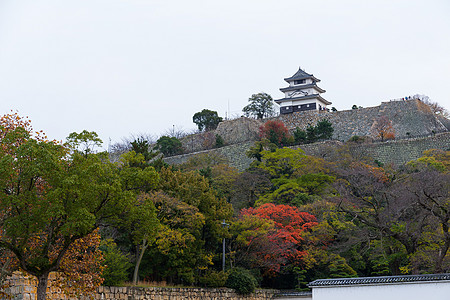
{"x":394,"y":224}
{"x":85,"y":141}
{"x":139,"y":221}
{"x":116,"y":263}
{"x":206,"y":120}
{"x":169,"y":146}
{"x":256,"y":151}
{"x":435,"y":107}
{"x":286,"y":243}
{"x":382,"y":128}
{"x":261,"y":106}
{"x":190,"y":214}
{"x":50,"y":201}
{"x":248,"y":187}
{"x":276,"y":132}
{"x":299,"y":136}
{"x":311,"y":134}
{"x":324,"y":129}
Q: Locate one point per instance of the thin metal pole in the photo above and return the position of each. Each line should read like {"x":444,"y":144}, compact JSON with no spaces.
{"x":223,"y":256}
{"x":223,"y":246}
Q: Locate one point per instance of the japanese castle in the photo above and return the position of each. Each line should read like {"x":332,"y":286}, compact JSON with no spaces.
{"x":302,"y":94}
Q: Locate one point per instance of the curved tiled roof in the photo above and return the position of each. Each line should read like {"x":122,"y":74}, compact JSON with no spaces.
{"x":292,"y":294}
{"x":301,"y":75}
{"x":379,"y":280}
{"x":300,"y":87}
{"x":312,"y":96}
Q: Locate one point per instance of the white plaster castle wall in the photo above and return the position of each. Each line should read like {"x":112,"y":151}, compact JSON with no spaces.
{"x":410,"y":291}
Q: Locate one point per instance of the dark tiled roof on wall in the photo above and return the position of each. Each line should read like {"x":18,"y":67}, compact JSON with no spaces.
{"x":379,"y":280}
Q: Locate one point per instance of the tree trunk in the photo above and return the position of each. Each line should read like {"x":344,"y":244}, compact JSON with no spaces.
{"x":138,"y":262}
{"x":42,"y":287}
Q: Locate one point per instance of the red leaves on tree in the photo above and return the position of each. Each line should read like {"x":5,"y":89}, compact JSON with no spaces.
{"x":276,"y":132}
{"x":285,"y":244}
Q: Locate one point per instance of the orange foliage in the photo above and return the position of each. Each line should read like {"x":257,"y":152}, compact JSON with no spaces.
{"x":12,"y":121}
{"x":286,"y":244}
{"x":383,"y":129}
{"x":377,"y":172}
{"x":81,"y":266}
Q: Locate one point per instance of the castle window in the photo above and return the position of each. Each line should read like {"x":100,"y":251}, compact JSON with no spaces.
{"x":299,"y":81}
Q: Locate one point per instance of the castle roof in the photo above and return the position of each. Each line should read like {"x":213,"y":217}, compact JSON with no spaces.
{"x":379,"y":280}
{"x":300,"y":87}
{"x":313,"y":96}
{"x":301,"y":75}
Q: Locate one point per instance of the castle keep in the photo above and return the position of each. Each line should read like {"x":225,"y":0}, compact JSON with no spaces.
{"x":302,"y":94}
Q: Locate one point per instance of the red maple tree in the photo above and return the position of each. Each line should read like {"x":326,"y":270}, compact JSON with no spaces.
{"x":276,"y":132}
{"x":286,"y":243}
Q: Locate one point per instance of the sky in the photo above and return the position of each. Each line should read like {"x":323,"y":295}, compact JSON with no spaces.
{"x":126,"y":68}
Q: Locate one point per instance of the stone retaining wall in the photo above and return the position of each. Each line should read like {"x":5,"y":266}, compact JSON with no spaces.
{"x":396,"y":152}
{"x":232,"y":131}
{"x":233,"y":154}
{"x":24,"y":288}
{"x":136,"y":293}
{"x":409,"y":118}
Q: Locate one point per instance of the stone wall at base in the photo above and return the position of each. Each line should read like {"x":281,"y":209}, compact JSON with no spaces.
{"x":24,"y":288}
{"x":156,"y":293}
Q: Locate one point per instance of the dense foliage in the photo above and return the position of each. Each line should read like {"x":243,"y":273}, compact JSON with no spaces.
{"x":206,"y":119}
{"x":260,"y":106}
{"x":169,"y":146}
{"x":292,"y":217}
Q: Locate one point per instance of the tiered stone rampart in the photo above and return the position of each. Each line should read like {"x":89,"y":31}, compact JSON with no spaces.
{"x":232,"y":131}
{"x":396,"y":152}
{"x":410,"y":118}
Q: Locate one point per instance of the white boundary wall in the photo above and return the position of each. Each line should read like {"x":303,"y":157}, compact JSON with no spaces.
{"x":431,"y":290}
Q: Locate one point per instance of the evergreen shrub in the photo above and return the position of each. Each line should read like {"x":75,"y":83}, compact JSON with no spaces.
{"x":214,"y":279}
{"x":242,"y":281}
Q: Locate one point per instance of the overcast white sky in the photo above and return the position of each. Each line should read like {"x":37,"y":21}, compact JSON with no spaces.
{"x":122,"y":67}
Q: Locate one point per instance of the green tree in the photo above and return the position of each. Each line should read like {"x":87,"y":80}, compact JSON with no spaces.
{"x":190,"y":214}
{"x":116,"y":263}
{"x":299,"y":136}
{"x":169,"y":145}
{"x":219,"y":141}
{"x":257,"y":149}
{"x":324,"y":129}
{"x":311,"y":134}
{"x":206,"y":120}
{"x":140,"y":220}
{"x":261,"y":106}
{"x":85,"y":141}
{"x":64,"y":200}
